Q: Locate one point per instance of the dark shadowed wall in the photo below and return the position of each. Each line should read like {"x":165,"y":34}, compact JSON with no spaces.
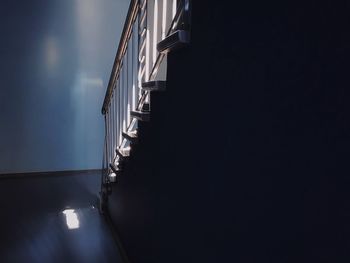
{"x":56,"y":57}
{"x":246,"y":155}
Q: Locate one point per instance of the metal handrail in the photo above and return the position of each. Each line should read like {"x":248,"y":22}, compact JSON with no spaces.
{"x":127,"y":30}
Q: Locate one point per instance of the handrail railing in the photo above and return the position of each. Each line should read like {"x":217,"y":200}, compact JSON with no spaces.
{"x":137,"y":61}
{"x":129,"y":22}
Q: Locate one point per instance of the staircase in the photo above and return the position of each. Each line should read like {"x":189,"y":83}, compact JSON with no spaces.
{"x":152,"y":30}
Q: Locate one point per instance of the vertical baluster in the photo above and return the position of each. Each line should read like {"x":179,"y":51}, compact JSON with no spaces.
{"x":163,"y":18}
{"x":111,"y":130}
{"x":120,"y":106}
{"x":104,"y":151}
{"x":130,"y":89}
{"x":111,"y":127}
{"x":174,"y":8}
{"x":106,"y":131}
{"x":116,"y":128}
{"x":108,"y":136}
{"x":131,"y":73}
{"x":143,"y":43}
{"x":117,"y":110}
{"x":117,"y":124}
{"x":148,"y":44}
{"x":156,"y":22}
{"x":127,"y":102}
{"x":122,"y":79}
{"x":140,"y":57}
{"x":127,"y":73}
{"x":117,"y":113}
{"x":114,"y":124}
{"x":125,"y":92}
{"x":132,"y":68}
{"x":110,"y":133}
{"x":105,"y":154}
{"x":136,"y":63}
{"x":121,"y":99}
{"x":114,"y":119}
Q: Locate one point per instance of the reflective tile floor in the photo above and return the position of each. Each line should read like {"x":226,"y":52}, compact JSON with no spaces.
{"x":54,"y":219}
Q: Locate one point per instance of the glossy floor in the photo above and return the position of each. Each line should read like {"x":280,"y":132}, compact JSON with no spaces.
{"x":54,"y":219}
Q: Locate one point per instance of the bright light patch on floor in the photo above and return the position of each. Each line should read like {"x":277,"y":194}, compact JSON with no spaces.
{"x":71,"y":219}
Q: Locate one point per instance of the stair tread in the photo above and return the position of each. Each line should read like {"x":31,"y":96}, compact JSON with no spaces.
{"x":154,"y":85}
{"x":178,"y":39}
{"x":141,"y":115}
{"x":121,"y":154}
{"x":130,"y":134}
{"x":114,"y":168}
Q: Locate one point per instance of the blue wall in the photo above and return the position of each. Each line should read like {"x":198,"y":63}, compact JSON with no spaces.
{"x":56,"y":57}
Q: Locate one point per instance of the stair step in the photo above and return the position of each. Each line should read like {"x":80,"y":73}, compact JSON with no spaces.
{"x":146,"y":107}
{"x":123,"y":153}
{"x":131,"y":137}
{"x":140,"y":115}
{"x":113,"y":176}
{"x":114,"y":168}
{"x":158,"y":85}
{"x":178,"y":39}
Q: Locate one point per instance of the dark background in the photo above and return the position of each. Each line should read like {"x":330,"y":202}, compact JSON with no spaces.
{"x":246,"y":155}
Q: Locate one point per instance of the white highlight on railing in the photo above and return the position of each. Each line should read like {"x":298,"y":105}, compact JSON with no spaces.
{"x":147,"y":55}
{"x":155,"y":31}
{"x":164,"y":18}
{"x":174,"y":8}
{"x":128,"y":113}
{"x":133,"y":97}
{"x":71,"y":219}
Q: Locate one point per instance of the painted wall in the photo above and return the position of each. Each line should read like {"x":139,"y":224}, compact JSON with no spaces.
{"x":56,"y":57}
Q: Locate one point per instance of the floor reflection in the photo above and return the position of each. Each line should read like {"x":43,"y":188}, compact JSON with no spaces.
{"x":53,"y":220}
{"x":71,"y":218}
